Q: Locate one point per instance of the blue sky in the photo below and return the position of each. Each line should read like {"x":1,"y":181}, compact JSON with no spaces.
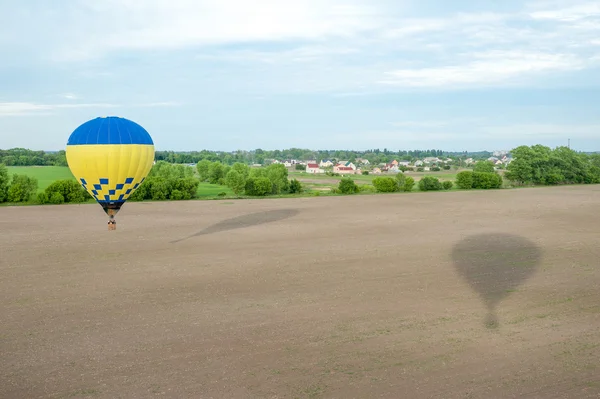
{"x":320,"y":74}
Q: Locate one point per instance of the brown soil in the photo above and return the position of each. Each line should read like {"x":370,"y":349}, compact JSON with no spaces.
{"x":432,"y":295}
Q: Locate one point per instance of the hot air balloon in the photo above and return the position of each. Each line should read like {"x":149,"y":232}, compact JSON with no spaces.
{"x":110,"y":157}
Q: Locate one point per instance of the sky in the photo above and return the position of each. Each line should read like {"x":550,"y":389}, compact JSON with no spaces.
{"x":321,"y":74}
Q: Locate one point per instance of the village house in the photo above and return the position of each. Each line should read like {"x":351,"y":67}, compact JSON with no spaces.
{"x":326,"y":163}
{"x":348,"y":164}
{"x":313,"y":167}
{"x":343,"y":170}
{"x":430,"y":160}
{"x":418,"y":163}
{"x":363,"y":161}
{"x":376,"y":171}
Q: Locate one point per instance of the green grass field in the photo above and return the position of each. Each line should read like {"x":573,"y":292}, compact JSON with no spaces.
{"x":206,"y":190}
{"x":48,"y":174}
{"x":45,"y":175}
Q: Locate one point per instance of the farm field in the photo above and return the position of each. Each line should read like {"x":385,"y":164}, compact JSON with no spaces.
{"x":434,"y":295}
{"x":322,"y":181}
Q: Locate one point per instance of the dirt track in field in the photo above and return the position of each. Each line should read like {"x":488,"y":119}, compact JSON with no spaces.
{"x":432,"y":295}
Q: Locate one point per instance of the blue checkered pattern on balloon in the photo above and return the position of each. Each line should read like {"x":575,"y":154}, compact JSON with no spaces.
{"x":103,"y":191}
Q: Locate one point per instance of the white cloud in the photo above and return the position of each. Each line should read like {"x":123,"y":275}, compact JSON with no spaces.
{"x":113,"y":25}
{"x":348,"y":46}
{"x":568,"y":14}
{"x":70,"y":96}
{"x":32,"y":109}
{"x":485,"y":69}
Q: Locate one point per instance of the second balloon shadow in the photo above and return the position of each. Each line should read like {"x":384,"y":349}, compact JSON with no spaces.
{"x":494,"y":265}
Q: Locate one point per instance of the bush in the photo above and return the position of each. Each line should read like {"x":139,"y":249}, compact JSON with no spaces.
{"x":69,"y":190}
{"x":160,"y":189}
{"x":222,"y":194}
{"x":400,"y":178}
{"x":258,"y":186}
{"x":347,"y":186}
{"x":409,"y":169}
{"x":295,"y":187}
{"x":464,"y":180}
{"x":56,"y":198}
{"x":484,"y":180}
{"x":430,"y":183}
{"x":420,"y":169}
{"x":300,"y":167}
{"x":367,"y":188}
{"x":408,"y":184}
{"x":385,"y":184}
{"x":21,"y":188}
{"x":365,"y":172}
{"x":553,"y":178}
{"x":176,"y":195}
{"x":446,"y":167}
{"x":4,"y":180}
{"x":447,"y":185}
{"x":42,"y":198}
{"x":435,"y":169}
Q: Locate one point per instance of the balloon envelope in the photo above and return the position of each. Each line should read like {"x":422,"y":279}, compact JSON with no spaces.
{"x":110,"y":157}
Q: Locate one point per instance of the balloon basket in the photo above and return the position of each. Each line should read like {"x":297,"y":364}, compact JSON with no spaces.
{"x":112,"y":223}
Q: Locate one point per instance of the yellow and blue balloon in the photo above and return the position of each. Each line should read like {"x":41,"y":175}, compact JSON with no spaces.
{"x":110,"y":157}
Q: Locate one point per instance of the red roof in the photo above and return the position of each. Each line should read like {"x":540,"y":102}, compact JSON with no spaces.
{"x":313,"y":165}
{"x":344,"y":168}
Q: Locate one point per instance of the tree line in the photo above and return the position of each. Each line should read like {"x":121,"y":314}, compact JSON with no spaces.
{"x":25,"y":157}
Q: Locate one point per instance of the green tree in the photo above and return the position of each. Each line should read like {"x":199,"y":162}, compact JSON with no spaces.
{"x":216,"y":172}
{"x":278,"y":175}
{"x":347,"y":186}
{"x":484,"y":166}
{"x":258,"y":186}
{"x":430,"y":183}
{"x":241,"y":168}
{"x":202,"y":168}
{"x":386,"y":184}
{"x":235,"y":181}
{"x":4,"y":182}
{"x":22,"y":187}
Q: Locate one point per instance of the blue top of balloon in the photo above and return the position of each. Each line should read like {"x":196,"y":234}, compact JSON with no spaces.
{"x":109,"y":130}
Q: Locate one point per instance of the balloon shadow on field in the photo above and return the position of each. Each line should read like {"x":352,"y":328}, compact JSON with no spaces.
{"x":240,"y":222}
{"x":495,"y":265}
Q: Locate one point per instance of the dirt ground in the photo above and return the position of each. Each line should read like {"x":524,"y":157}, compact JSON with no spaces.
{"x":426,"y":295}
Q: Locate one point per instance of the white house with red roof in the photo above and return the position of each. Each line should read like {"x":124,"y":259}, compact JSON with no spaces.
{"x":313,"y":168}
{"x":343,"y":170}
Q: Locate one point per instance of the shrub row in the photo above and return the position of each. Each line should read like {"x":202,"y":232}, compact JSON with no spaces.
{"x":18,"y":189}
{"x":478,"y":180}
